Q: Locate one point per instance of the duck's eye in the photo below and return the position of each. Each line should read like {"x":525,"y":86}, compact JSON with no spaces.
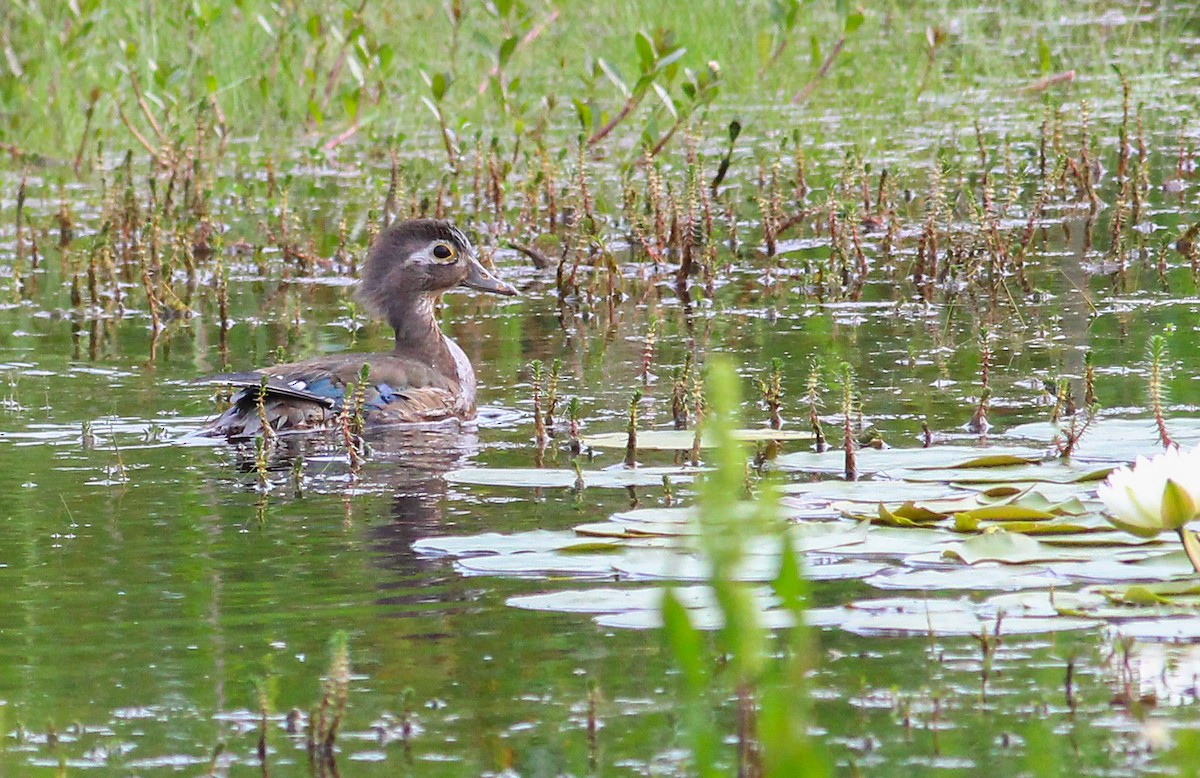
{"x":443,"y":251}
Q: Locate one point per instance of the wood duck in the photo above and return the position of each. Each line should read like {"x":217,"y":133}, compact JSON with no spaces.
{"x":425,"y":378}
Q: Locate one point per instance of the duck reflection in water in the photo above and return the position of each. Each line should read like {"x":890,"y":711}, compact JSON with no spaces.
{"x":407,"y":461}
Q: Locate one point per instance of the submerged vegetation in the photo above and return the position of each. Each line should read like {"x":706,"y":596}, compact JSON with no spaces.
{"x":951,"y":247}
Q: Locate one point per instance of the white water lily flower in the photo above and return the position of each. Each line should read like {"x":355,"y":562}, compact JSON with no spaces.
{"x":1156,"y":495}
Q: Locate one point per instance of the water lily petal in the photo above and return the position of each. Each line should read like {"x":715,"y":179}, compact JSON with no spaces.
{"x":1155,"y":494}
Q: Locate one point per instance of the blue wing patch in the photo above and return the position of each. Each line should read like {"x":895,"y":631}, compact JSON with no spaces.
{"x":383,"y":397}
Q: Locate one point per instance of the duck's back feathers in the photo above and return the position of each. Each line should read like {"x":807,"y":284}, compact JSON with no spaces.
{"x":312,"y":395}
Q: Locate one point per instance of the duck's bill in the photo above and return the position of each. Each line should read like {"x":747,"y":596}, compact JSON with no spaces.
{"x":479,"y":277}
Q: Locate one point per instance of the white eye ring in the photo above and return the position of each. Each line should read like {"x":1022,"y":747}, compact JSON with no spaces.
{"x":443,"y":252}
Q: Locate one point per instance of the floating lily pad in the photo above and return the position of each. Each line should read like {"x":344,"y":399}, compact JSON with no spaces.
{"x":493,"y":543}
{"x":906,"y":515}
{"x":756,"y":568}
{"x":1013,"y":548}
{"x":871,"y":460}
{"x":1037,"y":494}
{"x":1172,"y":629}
{"x":619,"y":529}
{"x":707,"y":619}
{"x":945,"y":618}
{"x":987,"y":576}
{"x":1116,"y":440}
{"x":682,"y":440}
{"x":640,"y":607}
{"x":1096,"y":539}
{"x":1160,"y":597}
{"x":893,"y":543}
{"x":1148,"y":566}
{"x":538,"y":564}
{"x":547,"y":478}
{"x":1042,"y":604}
{"x":865,"y":491}
{"x":1052,"y":472}
{"x":602,"y":599}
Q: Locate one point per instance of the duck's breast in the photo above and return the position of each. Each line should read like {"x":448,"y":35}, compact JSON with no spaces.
{"x":466,"y":374}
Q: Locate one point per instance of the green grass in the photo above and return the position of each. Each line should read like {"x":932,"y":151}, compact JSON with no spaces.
{"x":288,"y":73}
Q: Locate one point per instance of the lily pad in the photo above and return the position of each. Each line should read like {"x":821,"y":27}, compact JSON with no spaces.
{"x":871,"y":460}
{"x":944,"y":618}
{"x":539,"y":564}
{"x":682,"y":440}
{"x":756,"y":568}
{"x":619,"y":529}
{"x":1149,"y":567}
{"x":1012,"y":548}
{"x":604,"y":599}
{"x":548,"y":478}
{"x":894,"y":543}
{"x":1115,"y":439}
{"x":906,"y":515}
{"x":869,"y":491}
{"x":1173,"y":629}
{"x":1052,"y":472}
{"x":987,"y":576}
{"x":493,"y":543}
{"x":706,"y":619}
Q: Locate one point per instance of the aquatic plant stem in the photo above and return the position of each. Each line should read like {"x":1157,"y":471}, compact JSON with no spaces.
{"x":1191,"y":546}
{"x":823,"y":71}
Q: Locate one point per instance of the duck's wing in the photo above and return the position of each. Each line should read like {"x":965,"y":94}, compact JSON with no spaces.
{"x":295,"y":387}
{"x":311,"y":395}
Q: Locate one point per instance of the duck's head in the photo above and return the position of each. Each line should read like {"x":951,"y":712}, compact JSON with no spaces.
{"x":422,"y":257}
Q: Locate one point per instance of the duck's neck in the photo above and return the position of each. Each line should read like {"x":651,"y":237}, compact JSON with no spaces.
{"x":419,"y":337}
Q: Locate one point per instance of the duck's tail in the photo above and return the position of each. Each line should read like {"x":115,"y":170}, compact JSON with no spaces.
{"x":268,"y":401}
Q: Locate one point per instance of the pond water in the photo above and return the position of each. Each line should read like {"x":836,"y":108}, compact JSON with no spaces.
{"x":149,"y":584}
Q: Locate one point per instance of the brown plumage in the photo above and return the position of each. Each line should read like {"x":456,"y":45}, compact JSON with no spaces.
{"x":425,"y":378}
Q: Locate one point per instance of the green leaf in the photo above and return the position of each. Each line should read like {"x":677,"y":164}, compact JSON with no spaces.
{"x":1044,"y":62}
{"x":854,"y":21}
{"x":496,"y":88}
{"x":438,"y":84}
{"x":1005,"y":513}
{"x":888,"y":518}
{"x":350,"y":103}
{"x":645,"y":51}
{"x":592,"y":548}
{"x":385,"y":54}
{"x":583,"y":112}
{"x":793,"y":11}
{"x":506,"y":49}
{"x":642,"y":84}
{"x":1141,"y":595}
{"x":313,"y":26}
{"x":686,"y":643}
{"x":789,"y":585}
{"x":765,"y":45}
